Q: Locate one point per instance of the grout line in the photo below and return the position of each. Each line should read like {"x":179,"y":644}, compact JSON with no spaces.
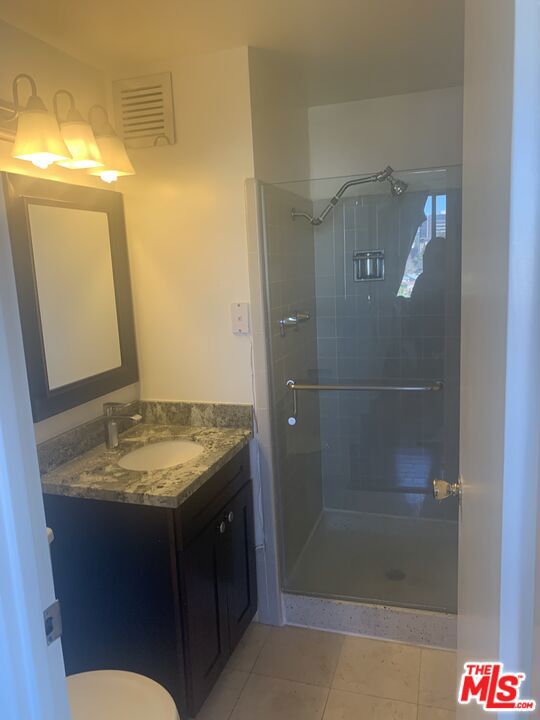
{"x":248,"y":675}
{"x":338,"y":661}
{"x":378,"y":697}
{"x":263,"y":644}
{"x":419,"y":677}
{"x":285,"y":679}
{"x":330,"y":689}
{"x":326,"y":702}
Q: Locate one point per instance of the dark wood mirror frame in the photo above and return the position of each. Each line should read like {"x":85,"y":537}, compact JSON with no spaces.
{"x":20,"y":191}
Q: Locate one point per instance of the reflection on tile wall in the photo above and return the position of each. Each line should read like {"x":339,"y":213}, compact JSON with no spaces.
{"x":380,"y":451}
{"x":290,"y":260}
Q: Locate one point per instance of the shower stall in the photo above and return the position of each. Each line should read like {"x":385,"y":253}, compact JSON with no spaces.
{"x":362,"y":322}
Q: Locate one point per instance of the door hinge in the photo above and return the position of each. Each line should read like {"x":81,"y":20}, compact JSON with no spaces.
{"x":52,"y":618}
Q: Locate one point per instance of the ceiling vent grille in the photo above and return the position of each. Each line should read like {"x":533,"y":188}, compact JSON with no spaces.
{"x":145,"y":111}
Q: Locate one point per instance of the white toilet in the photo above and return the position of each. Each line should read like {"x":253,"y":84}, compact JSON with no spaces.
{"x":118,"y":695}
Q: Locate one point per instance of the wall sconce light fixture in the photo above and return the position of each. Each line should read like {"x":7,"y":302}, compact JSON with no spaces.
{"x":44,"y":138}
{"x":38,"y":138}
{"x":78,"y":136}
{"x":116,"y":162}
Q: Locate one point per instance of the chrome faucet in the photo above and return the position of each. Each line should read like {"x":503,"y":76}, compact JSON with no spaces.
{"x":111,"y":417}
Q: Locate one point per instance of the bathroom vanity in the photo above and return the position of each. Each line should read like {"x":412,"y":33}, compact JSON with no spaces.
{"x":154,"y":553}
{"x":155,"y":570}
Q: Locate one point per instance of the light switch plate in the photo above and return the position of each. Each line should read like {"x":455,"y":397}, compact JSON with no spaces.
{"x":240,"y":318}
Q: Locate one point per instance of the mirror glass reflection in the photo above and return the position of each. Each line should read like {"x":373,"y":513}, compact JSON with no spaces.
{"x":75,"y":287}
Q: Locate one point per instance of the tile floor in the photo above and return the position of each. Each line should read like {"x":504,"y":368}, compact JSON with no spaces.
{"x":293,"y":673}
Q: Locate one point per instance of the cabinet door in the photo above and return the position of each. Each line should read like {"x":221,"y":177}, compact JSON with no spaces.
{"x":115,"y":572}
{"x":203,"y":565}
{"x":241,"y":578}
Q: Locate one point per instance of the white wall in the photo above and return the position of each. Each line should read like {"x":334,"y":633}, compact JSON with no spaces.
{"x":53,"y":70}
{"x":186,"y":227}
{"x":279,"y":118}
{"x":410,"y":131}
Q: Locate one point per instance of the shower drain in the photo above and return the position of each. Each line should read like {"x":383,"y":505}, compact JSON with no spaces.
{"x":395,"y":574}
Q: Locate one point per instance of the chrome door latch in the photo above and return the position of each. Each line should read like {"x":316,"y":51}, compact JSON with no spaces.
{"x":443,"y":489}
{"x":52,"y":618}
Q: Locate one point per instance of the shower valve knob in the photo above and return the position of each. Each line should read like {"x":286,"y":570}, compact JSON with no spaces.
{"x":443,"y":489}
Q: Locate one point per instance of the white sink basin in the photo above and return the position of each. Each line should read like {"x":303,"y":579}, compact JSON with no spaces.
{"x":161,"y":455}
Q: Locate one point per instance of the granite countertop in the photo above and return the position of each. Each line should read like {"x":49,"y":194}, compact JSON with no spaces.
{"x":97,"y":475}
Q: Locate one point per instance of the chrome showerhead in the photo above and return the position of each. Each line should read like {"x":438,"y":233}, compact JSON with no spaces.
{"x":397,"y":187}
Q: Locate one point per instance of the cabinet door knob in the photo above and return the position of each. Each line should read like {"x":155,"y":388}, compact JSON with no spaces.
{"x":230,"y":516}
{"x":222,"y":527}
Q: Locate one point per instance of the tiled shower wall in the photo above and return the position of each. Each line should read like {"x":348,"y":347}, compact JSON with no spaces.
{"x":290,"y":258}
{"x":380,"y":451}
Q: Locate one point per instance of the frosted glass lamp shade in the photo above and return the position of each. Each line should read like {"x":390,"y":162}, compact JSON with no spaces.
{"x":116,"y":162}
{"x":81,"y":143}
{"x":38,"y":138}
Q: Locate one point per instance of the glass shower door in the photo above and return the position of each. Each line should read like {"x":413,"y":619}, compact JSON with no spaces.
{"x":380,"y":279}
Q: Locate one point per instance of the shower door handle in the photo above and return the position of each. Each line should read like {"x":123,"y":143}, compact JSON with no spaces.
{"x":443,"y":489}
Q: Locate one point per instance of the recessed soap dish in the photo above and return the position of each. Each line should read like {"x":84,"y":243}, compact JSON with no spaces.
{"x":368,"y":265}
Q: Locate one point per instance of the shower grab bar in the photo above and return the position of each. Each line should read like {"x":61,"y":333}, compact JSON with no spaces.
{"x":435,"y":386}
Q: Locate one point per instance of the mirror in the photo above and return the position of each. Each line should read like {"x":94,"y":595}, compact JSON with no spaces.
{"x":75,"y":292}
{"x":71,"y":268}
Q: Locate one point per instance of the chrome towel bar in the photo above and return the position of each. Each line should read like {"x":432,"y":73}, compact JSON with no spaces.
{"x":435,"y":386}
{"x":432,"y":387}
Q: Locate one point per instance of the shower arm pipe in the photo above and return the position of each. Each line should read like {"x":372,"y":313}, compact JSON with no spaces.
{"x":376,"y":177}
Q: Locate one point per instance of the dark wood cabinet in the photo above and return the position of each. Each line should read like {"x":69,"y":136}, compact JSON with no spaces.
{"x":219,"y":601}
{"x":162,"y":592}
{"x":240,"y":589}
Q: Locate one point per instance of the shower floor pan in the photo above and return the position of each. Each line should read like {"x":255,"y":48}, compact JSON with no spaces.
{"x":381,"y":559}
